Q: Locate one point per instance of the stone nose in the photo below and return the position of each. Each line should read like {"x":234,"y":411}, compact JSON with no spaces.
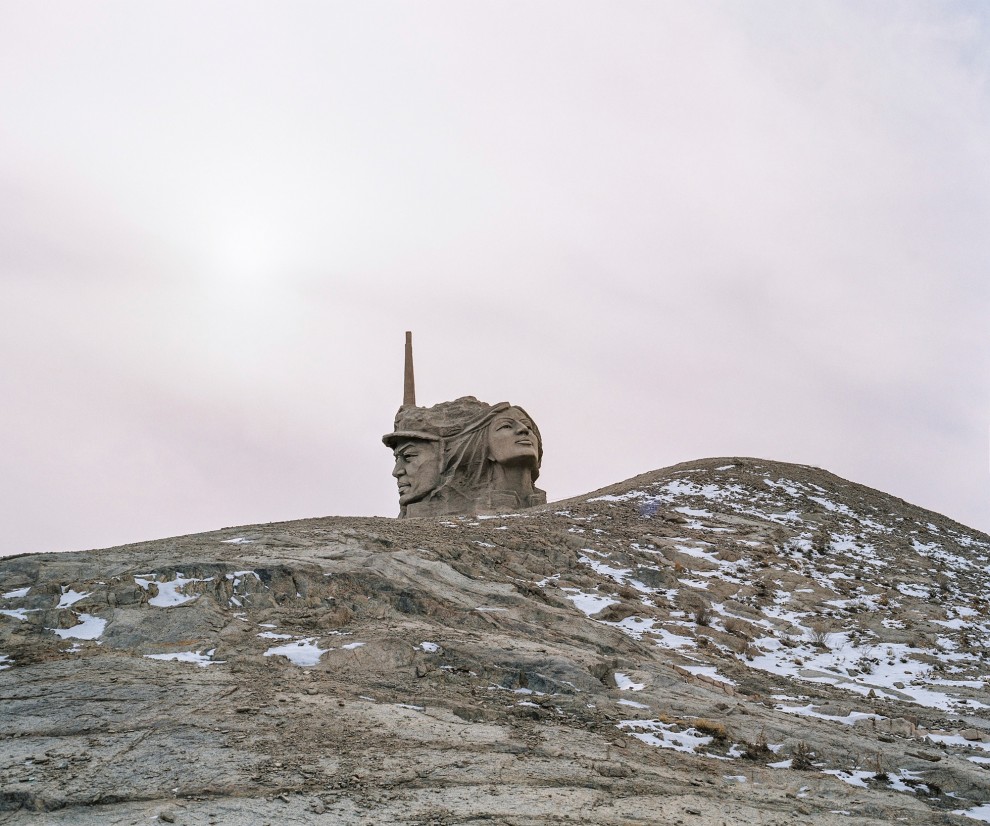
{"x":398,"y":470}
{"x":521,"y":429}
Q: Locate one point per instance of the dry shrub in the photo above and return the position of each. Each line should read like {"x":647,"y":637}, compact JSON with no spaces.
{"x":712,"y":728}
{"x":801,"y":755}
{"x":750,"y":652}
{"x":879,"y":766}
{"x":759,"y":749}
{"x":703,"y":615}
{"x":820,"y":632}
{"x":736,"y":627}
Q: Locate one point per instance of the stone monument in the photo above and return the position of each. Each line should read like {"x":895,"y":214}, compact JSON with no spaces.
{"x":464,"y":456}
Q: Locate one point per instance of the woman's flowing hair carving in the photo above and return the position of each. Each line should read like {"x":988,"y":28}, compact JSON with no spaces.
{"x":466,"y":461}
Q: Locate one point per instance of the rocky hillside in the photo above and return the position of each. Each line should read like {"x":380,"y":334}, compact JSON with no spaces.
{"x":721,"y":642}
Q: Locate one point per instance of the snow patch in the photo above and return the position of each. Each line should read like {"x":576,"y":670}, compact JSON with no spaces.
{"x":981,"y":813}
{"x":588,"y":604}
{"x":662,"y":735}
{"x":89,"y":628}
{"x":672,"y":641}
{"x":201,"y":659}
{"x":304,"y":652}
{"x":853,"y":778}
{"x":623,"y":683}
{"x":809,"y":711}
{"x":169,"y":593}
{"x":70,"y":597}
{"x":17,"y":613}
{"x":707,"y":671}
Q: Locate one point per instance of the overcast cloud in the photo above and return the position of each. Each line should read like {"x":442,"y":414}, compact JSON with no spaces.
{"x":669,"y":230}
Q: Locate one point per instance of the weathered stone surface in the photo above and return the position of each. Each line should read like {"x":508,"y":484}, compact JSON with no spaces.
{"x":463,"y":671}
{"x":465,"y":457}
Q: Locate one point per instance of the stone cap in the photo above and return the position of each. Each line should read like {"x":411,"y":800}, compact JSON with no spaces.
{"x":441,"y":421}
{"x":392,"y":439}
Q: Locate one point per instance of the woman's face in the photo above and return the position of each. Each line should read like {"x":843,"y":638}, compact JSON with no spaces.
{"x":512,"y":438}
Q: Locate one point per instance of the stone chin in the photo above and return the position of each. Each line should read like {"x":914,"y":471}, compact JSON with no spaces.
{"x":408,"y":495}
{"x":518,"y":454}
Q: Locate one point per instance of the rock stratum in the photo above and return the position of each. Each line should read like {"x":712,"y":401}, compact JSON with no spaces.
{"x":725,"y":641}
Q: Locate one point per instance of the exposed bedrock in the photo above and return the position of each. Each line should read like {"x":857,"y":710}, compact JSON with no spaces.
{"x":724,"y":641}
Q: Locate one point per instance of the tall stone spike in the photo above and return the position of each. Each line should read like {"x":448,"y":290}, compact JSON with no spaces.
{"x":409,"y":387}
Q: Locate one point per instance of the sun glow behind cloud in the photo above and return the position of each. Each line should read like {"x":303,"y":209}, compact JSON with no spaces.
{"x":668,"y":230}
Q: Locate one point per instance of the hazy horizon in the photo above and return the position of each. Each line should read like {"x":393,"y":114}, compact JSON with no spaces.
{"x":670,"y":231}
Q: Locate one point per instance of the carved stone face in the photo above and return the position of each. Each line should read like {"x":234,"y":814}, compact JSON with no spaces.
{"x":417,"y":469}
{"x":512,"y":438}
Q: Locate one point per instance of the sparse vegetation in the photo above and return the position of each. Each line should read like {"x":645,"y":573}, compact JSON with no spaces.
{"x":736,"y":627}
{"x":820,"y":633}
{"x":712,"y":728}
{"x":759,"y":749}
{"x":865,"y":664}
{"x":878,"y":766}
{"x":801,"y":756}
{"x":750,"y":652}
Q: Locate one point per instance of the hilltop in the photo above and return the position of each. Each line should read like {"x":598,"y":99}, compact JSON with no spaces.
{"x":724,"y":641}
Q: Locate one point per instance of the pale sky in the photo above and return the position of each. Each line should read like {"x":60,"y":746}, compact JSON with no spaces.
{"x":669,"y":230}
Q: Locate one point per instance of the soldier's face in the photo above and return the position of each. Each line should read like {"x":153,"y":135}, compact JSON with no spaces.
{"x":417,"y":469}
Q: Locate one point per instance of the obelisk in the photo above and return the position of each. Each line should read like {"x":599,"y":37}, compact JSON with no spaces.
{"x":409,"y":386}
